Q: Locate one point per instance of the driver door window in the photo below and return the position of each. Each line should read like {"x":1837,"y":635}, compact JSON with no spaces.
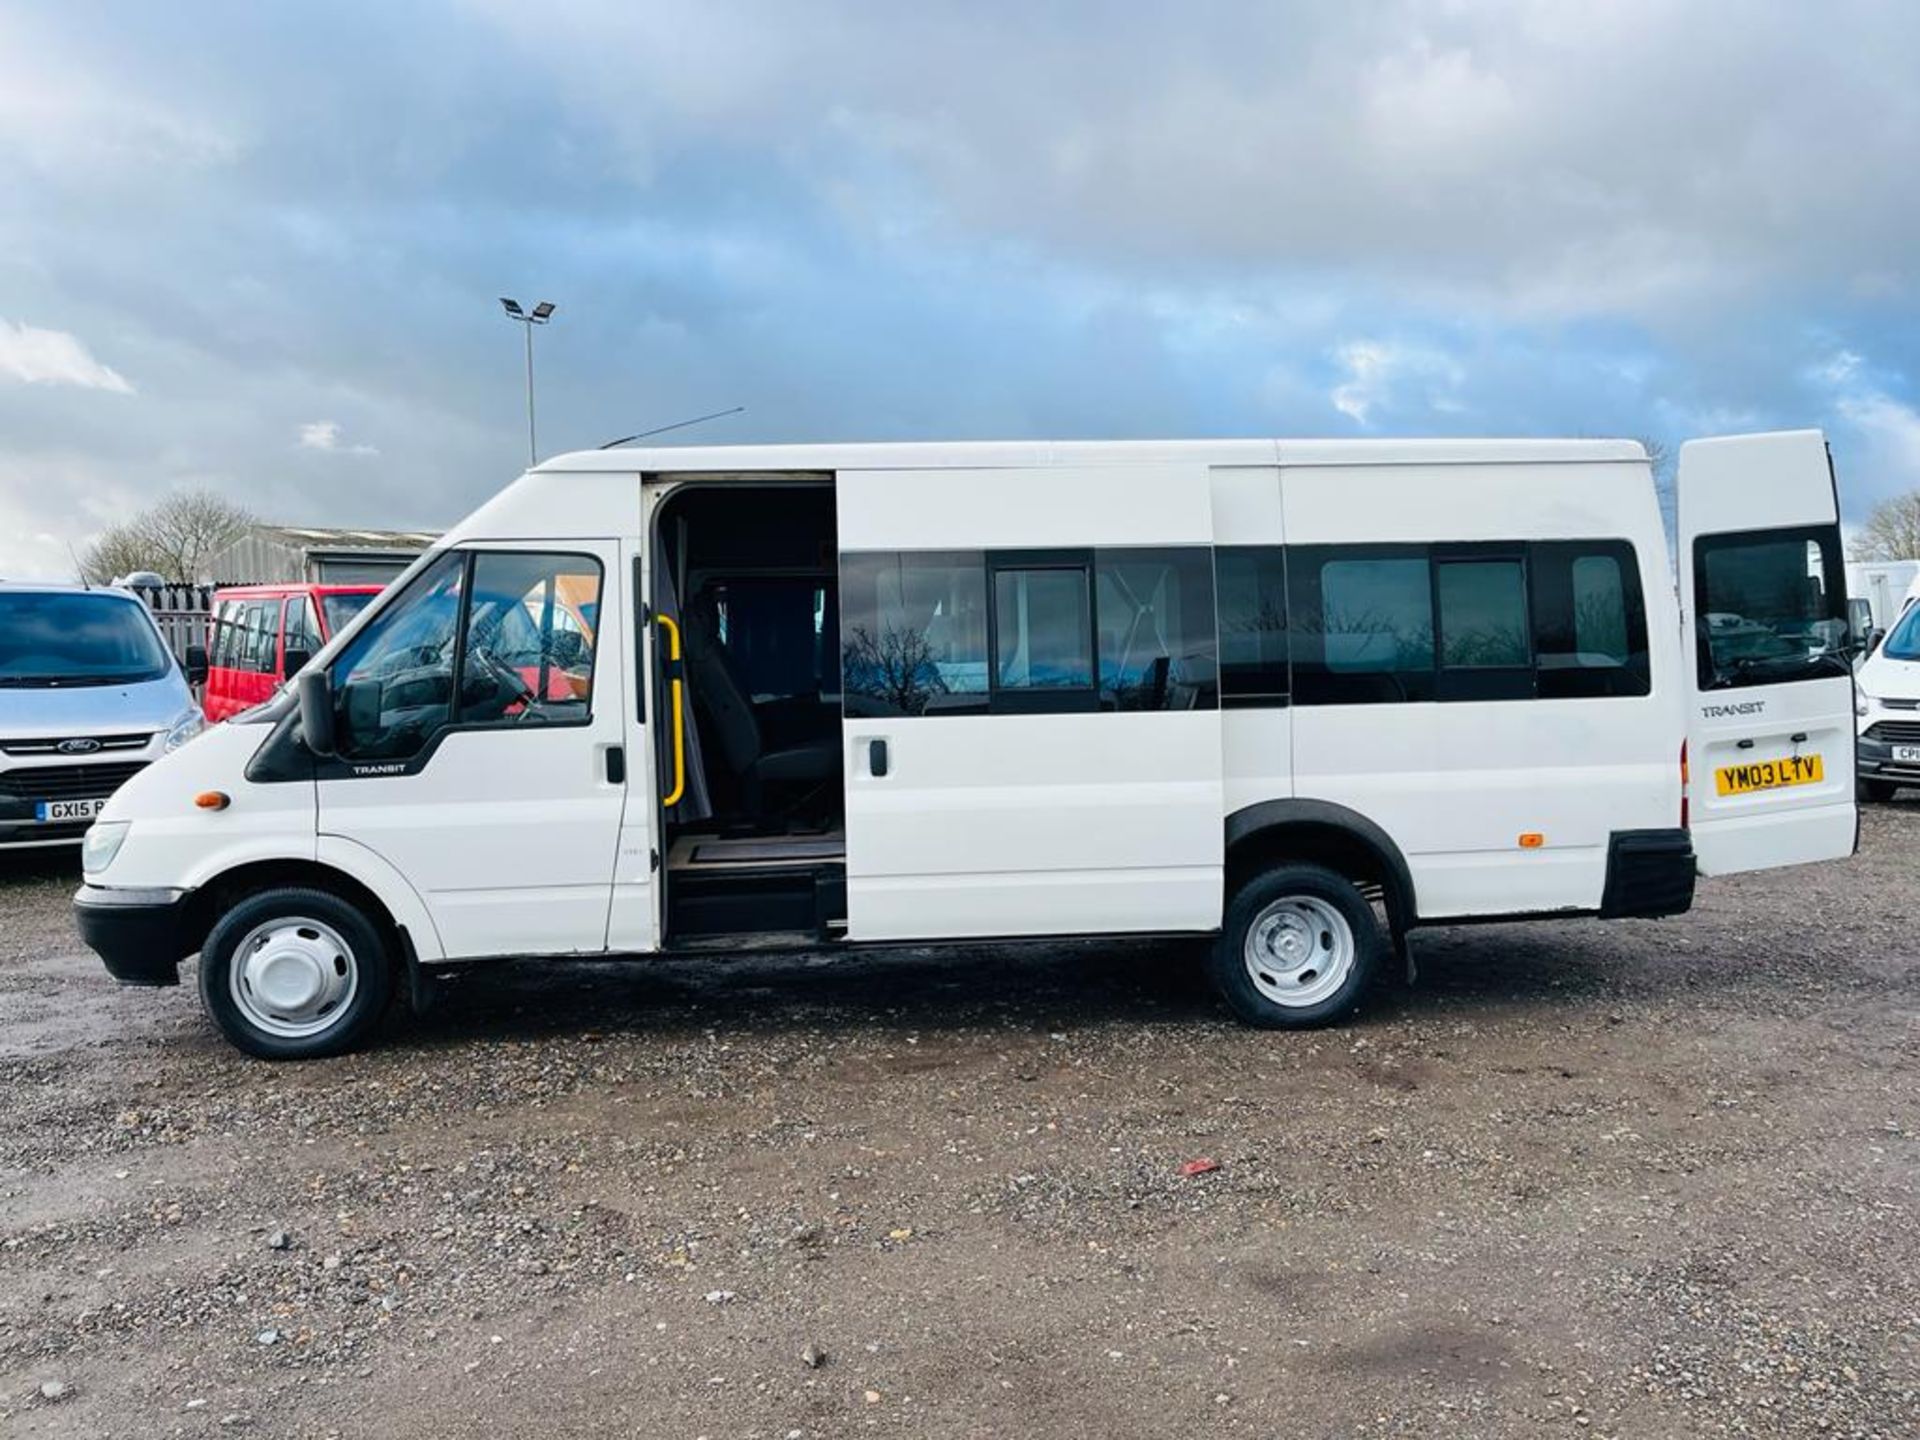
{"x":528,"y":656}
{"x":393,"y":684}
{"x":516,"y":627}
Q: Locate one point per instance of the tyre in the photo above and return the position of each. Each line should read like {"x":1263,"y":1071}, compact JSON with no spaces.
{"x":293,"y":974}
{"x":1877,"y":790}
{"x":1297,"y":949}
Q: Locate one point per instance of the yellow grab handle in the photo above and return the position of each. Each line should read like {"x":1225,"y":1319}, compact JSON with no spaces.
{"x":679,"y":724}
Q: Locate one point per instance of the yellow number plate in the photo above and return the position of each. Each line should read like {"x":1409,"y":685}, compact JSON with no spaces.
{"x":1768,"y":775}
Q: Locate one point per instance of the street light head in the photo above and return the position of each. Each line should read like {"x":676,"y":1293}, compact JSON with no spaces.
{"x":512,"y":307}
{"x":543,"y":310}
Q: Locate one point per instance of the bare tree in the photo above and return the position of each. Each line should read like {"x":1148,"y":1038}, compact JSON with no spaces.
{"x":175,"y":538}
{"x":1892,"y":531}
{"x":119,"y":550}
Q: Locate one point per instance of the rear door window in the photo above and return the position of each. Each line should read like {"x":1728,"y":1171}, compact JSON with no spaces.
{"x":1772,"y":607}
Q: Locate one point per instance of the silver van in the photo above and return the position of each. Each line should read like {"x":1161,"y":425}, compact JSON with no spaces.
{"x":89,"y":695}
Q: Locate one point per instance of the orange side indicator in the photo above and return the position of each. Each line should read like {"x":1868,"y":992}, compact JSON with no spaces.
{"x":1532,"y":840}
{"x":213,"y":800}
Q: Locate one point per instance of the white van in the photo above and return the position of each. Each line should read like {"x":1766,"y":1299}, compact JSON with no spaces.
{"x":1301,"y":697}
{"x":1888,"y":705}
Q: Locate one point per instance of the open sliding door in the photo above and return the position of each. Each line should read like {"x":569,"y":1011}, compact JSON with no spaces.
{"x":1032,"y":711}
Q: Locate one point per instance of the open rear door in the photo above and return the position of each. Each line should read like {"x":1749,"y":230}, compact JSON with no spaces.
{"x":1770,"y":710}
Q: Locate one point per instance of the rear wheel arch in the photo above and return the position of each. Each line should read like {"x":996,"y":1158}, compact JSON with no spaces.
{"x":1320,"y":832}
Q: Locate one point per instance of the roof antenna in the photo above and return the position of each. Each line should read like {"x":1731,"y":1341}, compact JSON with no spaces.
{"x":79,"y":570}
{"x":677,"y":425}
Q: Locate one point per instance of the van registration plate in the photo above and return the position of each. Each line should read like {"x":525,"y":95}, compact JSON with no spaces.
{"x":1769,"y":775}
{"x":53,"y":810}
{"x":1906,"y":754}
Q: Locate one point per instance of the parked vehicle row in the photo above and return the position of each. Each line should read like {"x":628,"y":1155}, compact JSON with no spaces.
{"x":89,"y":696}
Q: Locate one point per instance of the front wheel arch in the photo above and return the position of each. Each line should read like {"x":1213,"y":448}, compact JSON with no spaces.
{"x":227,"y":889}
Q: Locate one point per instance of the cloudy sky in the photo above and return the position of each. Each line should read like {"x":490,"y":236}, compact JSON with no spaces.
{"x":257,"y":247}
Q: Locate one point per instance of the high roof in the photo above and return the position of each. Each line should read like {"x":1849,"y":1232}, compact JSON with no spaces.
{"x":994,"y":454}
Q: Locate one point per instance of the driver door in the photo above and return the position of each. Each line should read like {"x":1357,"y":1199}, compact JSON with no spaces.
{"x":480,"y":726}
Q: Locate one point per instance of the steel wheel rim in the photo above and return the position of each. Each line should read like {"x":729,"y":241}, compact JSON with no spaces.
{"x":1299,"y":951}
{"x":293,"y":977}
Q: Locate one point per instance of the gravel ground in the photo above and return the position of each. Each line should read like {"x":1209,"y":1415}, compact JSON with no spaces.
{"x":1634,"y":1179}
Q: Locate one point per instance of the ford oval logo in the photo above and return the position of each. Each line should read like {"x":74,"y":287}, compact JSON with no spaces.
{"x":80,"y":746}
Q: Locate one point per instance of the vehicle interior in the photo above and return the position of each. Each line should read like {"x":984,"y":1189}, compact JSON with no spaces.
{"x":757,"y":841}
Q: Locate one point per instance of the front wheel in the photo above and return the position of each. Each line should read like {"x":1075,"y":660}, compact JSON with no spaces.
{"x":1297,"y":949}
{"x":294,"y":973}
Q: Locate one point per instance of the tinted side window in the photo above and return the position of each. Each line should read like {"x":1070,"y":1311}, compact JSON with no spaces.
{"x":393,"y":686}
{"x":913,"y":633}
{"x":527,"y":650}
{"x":223,"y":645}
{"x":1253,"y":624}
{"x":1486,"y":644}
{"x":1589,"y":619}
{"x":1362,"y":623}
{"x":1155,"y":613}
{"x":260,"y":650}
{"x":303,"y":629}
{"x":1772,"y":607}
{"x":1043,"y":629}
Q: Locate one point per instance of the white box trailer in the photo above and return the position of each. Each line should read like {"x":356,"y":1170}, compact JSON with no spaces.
{"x":1299,"y":697}
{"x":1879,"y":590}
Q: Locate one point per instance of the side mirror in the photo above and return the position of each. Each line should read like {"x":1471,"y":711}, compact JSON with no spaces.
{"x":296,"y":660}
{"x":315,"y":695}
{"x":1874,"y":637}
{"x":196,"y":666}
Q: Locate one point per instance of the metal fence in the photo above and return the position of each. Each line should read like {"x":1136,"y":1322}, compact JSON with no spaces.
{"x":181,"y":611}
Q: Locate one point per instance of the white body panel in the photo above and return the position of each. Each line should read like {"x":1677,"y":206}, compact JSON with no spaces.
{"x":1034,"y":825}
{"x":1049,"y":824}
{"x":509,"y":835}
{"x":1457,"y":783}
{"x":1738,"y":485}
{"x":1256,"y":743}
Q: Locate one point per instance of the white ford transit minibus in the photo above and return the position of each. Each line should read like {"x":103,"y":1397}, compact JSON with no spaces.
{"x":1299,"y":697}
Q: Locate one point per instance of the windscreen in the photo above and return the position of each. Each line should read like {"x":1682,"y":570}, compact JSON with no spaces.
{"x":67,"y":638}
{"x":342,"y":608}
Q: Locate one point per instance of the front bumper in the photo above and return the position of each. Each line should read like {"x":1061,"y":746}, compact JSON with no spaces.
{"x":1873,"y":759}
{"x":140,"y":935}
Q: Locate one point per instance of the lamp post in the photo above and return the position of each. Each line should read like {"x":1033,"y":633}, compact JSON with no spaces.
{"x":539,"y":315}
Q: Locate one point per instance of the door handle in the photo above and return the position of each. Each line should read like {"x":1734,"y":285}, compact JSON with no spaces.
{"x":877,"y":759}
{"x":616,"y":765}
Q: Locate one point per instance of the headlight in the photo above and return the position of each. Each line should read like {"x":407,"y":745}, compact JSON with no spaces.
{"x":102,"y":842}
{"x":1862,"y":702}
{"x":184,"y":729}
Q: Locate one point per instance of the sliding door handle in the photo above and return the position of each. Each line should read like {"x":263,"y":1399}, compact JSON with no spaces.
{"x":877,"y":759}
{"x":616,"y":765}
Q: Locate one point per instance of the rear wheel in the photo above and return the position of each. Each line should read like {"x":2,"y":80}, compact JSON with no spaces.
{"x":1877,"y":790}
{"x":294,"y":973}
{"x":1297,"y":949}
